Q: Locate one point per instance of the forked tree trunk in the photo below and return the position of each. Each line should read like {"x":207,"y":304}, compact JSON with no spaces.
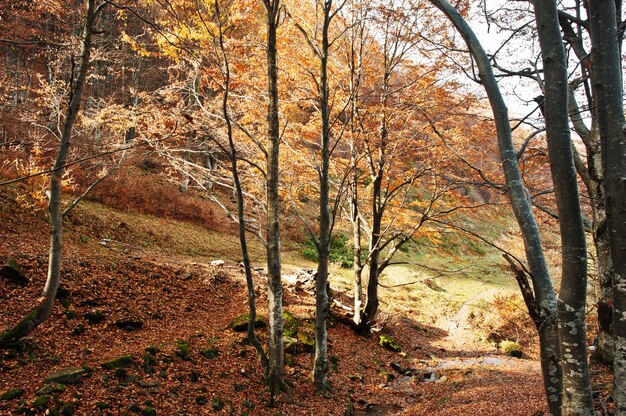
{"x":544,"y":294}
{"x":44,"y":309}
{"x":610,"y":112}
{"x":577,"y":399}
{"x":275,"y":375}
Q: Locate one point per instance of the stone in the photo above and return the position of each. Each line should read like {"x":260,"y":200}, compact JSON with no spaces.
{"x":240,"y":323}
{"x":148,"y":411}
{"x":217,"y":403}
{"x":50,"y":388}
{"x":12,"y":394}
{"x":290,"y":345}
{"x":94,"y":317}
{"x":120,"y":362}
{"x":217,"y":263}
{"x":42,"y":402}
{"x":210,"y":353}
{"x":69,"y":375}
{"x":68,"y":409}
{"x":129,"y":324}
{"x":13,"y":273}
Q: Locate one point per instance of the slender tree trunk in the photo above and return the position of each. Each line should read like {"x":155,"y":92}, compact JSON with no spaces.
{"x":545,"y":296}
{"x":610,"y":112}
{"x":357,"y":266}
{"x":320,"y":368}
{"x":275,"y":374}
{"x":372,"y":301}
{"x":240,"y":200}
{"x":44,"y":309}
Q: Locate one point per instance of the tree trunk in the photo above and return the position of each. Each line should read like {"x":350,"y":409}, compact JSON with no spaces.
{"x":275,"y":374}
{"x":44,"y":309}
{"x":606,"y":56}
{"x":240,"y":202}
{"x":320,"y":368}
{"x":577,"y":399}
{"x":543,"y":289}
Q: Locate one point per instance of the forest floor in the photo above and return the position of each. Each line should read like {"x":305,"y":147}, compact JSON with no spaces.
{"x":170,"y":312}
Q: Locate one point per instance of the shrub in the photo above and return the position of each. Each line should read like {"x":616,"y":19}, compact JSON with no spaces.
{"x":340,"y":253}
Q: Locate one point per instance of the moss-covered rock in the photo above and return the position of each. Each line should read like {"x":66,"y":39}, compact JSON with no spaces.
{"x":68,"y":409}
{"x":389,"y":343}
{"x":120,"y":362}
{"x":210,"y":353}
{"x":291,"y":324}
{"x":70,"y":375}
{"x":129,"y":324}
{"x":148,"y":411}
{"x":152,"y":350}
{"x":306,"y":337}
{"x":94,"y":317}
{"x":290,"y":345}
{"x":42,"y":402}
{"x":50,"y":389}
{"x":11,"y":394}
{"x":182,"y":348}
{"x":13,"y":272}
{"x":217,"y":403}
{"x":240,"y":323}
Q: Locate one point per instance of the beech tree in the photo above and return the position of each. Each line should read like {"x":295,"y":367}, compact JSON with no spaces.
{"x":44,"y":309}
{"x":608,"y":85}
{"x":576,"y":398}
{"x":541,"y":300}
{"x":276,"y":355}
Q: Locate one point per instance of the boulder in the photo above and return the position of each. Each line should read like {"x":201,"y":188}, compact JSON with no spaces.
{"x":13,"y":273}
{"x":120,"y":362}
{"x":69,"y":375}
{"x":50,"y":388}
{"x":11,"y":394}
{"x":240,"y":323}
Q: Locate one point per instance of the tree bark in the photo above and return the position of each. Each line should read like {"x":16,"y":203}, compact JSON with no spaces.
{"x":545,"y":296}
{"x":275,"y":375}
{"x":577,"y":399}
{"x":320,"y":368}
{"x":240,"y":201}
{"x":44,"y":309}
{"x":607,"y":80}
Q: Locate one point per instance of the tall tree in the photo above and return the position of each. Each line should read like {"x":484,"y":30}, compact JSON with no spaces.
{"x":44,"y":309}
{"x":275,"y":374}
{"x":577,"y":399}
{"x":542,"y":304}
{"x":320,"y":45}
{"x":608,"y":85}
{"x":241,"y":220}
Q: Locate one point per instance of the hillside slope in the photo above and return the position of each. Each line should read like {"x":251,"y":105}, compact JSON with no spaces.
{"x":143,"y":286}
